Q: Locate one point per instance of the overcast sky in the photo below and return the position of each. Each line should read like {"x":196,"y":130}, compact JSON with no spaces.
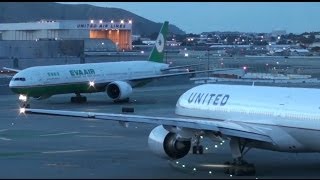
{"x":193,"y":17}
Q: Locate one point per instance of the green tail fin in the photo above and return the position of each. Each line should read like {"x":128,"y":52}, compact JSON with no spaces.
{"x":157,"y":52}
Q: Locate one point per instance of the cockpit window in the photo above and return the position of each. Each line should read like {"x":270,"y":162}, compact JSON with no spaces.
{"x":19,"y":79}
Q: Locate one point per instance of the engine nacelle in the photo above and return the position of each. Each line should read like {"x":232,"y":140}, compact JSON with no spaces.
{"x":167,"y":145}
{"x":119,"y":90}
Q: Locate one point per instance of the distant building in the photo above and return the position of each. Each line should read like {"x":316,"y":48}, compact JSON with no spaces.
{"x":135,"y":37}
{"x":316,"y":44}
{"x":300,"y":52}
{"x":278,"y":32}
{"x":118,"y":32}
{"x":173,"y":43}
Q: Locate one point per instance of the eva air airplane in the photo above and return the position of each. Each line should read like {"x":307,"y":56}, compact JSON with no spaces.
{"x":115,"y":78}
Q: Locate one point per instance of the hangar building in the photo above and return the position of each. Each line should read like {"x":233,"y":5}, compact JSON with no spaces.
{"x":88,"y":30}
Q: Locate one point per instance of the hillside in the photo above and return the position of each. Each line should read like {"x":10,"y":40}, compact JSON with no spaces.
{"x":12,"y":12}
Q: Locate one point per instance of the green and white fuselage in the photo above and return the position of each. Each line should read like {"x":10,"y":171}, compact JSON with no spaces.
{"x":45,"y":81}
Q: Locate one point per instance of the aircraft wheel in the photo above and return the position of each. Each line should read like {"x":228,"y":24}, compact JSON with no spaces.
{"x":83,"y":99}
{"x":200,"y":149}
{"x":227,"y":168}
{"x":197,"y":149}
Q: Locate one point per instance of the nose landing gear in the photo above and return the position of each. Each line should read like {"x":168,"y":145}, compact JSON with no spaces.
{"x":24,"y":101}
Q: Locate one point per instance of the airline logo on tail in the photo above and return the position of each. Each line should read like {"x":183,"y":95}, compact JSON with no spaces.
{"x":157,"y":53}
{"x":160,"y":43}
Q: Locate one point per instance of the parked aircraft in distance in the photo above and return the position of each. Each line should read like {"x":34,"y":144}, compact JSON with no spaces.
{"x":273,"y":118}
{"x":115,"y":78}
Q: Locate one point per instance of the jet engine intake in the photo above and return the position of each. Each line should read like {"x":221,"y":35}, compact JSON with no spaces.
{"x":167,"y":145}
{"x":119,"y":90}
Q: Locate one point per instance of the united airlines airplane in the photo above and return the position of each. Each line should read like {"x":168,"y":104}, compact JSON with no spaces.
{"x":115,"y":78}
{"x":272,"y":118}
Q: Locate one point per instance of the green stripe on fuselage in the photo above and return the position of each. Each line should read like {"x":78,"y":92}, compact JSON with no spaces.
{"x":37,"y":91}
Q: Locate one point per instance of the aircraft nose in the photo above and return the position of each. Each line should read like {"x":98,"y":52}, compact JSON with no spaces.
{"x":11,"y":84}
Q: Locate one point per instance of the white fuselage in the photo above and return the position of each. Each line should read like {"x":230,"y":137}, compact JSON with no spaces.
{"x":290,"y":116}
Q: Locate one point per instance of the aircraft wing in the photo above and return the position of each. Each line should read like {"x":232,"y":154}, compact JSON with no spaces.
{"x":227,"y":128}
{"x":176,"y":74}
{"x":11,"y":69}
{"x":178,"y":67}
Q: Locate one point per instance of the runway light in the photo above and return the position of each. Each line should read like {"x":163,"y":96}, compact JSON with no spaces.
{"x":230,"y":175}
{"x":216,"y":146}
{"x":183,"y":165}
{"x":22,"y":110}
{"x":100,"y":21}
{"x":130,"y":21}
{"x":91,"y":21}
{"x":207,"y":148}
{"x":220,"y":143}
{"x":111,"y":21}
{"x":121,"y":21}
{"x":223,"y":141}
{"x":23,"y":98}
{"x":201,"y":137}
{"x":194,"y":169}
{"x":177,"y":162}
{"x":91,"y":84}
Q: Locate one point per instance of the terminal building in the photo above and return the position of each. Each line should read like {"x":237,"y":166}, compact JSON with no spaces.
{"x":97,"y":34}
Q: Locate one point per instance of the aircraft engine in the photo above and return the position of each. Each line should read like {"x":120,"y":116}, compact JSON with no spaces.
{"x":119,"y":90}
{"x":167,"y":145}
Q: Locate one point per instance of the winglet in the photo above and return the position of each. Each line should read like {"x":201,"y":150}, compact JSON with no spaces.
{"x":11,"y":69}
{"x":157,"y":52}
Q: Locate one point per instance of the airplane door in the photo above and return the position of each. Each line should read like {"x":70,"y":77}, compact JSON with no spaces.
{"x":129,"y":73}
{"x":38,"y":78}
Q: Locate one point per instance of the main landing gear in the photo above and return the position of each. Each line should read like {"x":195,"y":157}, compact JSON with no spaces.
{"x":197,"y":149}
{"x":78,"y":99}
{"x":239,"y":167}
